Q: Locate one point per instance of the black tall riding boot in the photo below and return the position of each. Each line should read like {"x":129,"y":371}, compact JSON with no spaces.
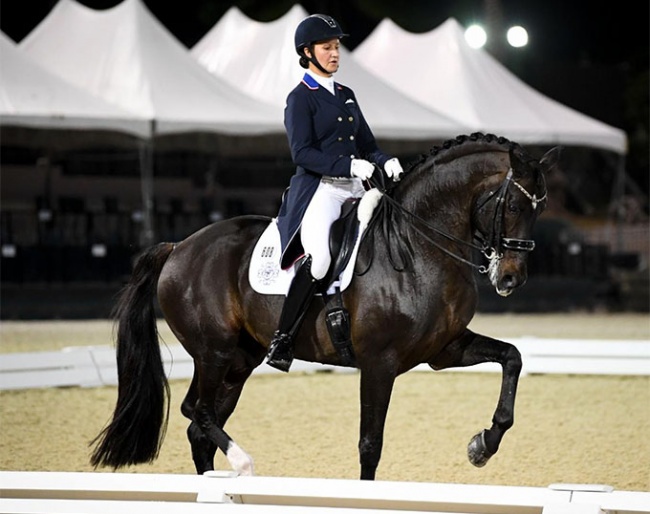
{"x":302,"y":290}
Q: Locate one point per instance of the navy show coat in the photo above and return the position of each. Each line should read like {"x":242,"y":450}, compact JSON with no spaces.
{"x":325,"y":133}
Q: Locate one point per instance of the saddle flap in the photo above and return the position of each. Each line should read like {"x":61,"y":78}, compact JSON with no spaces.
{"x":343,"y":238}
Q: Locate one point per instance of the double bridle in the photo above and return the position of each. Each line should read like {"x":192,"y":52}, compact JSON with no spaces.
{"x":490,"y":247}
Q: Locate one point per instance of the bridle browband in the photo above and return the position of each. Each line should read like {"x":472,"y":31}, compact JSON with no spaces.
{"x":489,"y":248}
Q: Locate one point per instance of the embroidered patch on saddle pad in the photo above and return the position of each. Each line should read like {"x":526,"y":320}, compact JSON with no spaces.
{"x":265,"y":274}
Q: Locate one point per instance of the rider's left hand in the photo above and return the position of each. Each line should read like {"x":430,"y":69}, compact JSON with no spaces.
{"x":393,"y":169}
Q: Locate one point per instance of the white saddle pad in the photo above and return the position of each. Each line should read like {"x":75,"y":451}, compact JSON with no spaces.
{"x":265,"y":274}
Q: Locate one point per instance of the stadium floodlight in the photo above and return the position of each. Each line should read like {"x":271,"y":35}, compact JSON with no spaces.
{"x":517,"y":36}
{"x":475,"y":36}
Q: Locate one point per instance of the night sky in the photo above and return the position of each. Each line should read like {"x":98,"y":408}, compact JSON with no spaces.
{"x":561,"y":30}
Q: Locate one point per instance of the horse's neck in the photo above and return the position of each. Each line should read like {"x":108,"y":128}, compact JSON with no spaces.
{"x":434,"y":188}
{"x":443,"y":193}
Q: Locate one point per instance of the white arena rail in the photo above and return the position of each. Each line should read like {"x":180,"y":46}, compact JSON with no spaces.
{"x":125,"y":493}
{"x":89,"y":366}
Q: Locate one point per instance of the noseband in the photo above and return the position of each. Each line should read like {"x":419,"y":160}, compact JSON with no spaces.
{"x":490,"y":250}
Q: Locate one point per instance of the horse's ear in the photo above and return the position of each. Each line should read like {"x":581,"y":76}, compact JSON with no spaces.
{"x":551,"y":158}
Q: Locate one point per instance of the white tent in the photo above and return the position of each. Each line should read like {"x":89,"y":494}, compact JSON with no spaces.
{"x":441,"y":70}
{"x":260,"y":58}
{"x":125,"y":56}
{"x":32,"y":97}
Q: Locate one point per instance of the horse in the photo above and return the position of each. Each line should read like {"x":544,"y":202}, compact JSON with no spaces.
{"x":411,"y":302}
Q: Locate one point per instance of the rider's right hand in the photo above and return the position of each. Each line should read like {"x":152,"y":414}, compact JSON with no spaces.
{"x":361,"y":168}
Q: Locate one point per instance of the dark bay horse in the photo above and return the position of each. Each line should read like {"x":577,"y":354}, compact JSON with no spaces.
{"x":411,"y":305}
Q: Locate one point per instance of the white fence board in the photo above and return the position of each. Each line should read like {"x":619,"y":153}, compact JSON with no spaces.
{"x":119,"y":493}
{"x":48,"y":369}
{"x":81,"y":506}
{"x":410,"y":496}
{"x":619,"y":502}
{"x":100,"y":486}
{"x":587,"y":356}
{"x":89,"y":366}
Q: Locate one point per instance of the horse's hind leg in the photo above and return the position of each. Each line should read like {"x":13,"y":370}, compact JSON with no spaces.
{"x":203,"y":450}
{"x":246,"y":358}
{"x":211,"y":368}
{"x":471,"y":349}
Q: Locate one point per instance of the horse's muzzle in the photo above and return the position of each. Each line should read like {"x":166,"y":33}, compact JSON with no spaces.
{"x":507,"y":284}
{"x":510,"y":273}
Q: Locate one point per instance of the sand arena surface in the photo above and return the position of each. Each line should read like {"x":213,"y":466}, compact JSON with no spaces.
{"x":579,"y":429}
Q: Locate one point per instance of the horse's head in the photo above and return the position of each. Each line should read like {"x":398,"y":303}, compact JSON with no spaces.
{"x":505,"y":214}
{"x":493,"y":180}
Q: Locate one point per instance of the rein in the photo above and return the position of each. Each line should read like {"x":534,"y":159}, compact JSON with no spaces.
{"x":489,"y":250}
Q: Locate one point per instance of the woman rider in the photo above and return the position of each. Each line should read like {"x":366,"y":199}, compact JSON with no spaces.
{"x":333,"y":150}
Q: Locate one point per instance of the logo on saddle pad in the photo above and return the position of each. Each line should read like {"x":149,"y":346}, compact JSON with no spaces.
{"x":265,"y":274}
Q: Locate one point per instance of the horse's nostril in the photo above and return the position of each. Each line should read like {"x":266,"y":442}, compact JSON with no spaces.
{"x":509,"y":281}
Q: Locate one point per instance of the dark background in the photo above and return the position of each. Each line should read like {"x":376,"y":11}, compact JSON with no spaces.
{"x":578,"y":31}
{"x":591,"y":57}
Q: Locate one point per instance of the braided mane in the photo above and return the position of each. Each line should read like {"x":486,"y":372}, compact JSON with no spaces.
{"x":461,"y":145}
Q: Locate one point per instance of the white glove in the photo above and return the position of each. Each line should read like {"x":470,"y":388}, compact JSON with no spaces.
{"x":393,"y":169}
{"x":362,"y":169}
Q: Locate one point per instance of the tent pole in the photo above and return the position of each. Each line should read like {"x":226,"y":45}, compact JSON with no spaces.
{"x":147,"y":234}
{"x":618,"y":194}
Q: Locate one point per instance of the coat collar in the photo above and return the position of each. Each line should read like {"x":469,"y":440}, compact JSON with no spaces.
{"x":338,"y":99}
{"x":310,"y":82}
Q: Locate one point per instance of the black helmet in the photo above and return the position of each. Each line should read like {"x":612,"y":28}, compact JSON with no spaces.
{"x":317,"y":27}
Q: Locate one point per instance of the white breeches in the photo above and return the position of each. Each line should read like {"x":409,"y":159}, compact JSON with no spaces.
{"x":323,"y":210}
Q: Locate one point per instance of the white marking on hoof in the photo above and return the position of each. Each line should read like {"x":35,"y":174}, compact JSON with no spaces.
{"x":240,"y":461}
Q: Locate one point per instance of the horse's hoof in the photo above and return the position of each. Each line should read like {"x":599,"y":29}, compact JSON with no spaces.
{"x":477,"y":451}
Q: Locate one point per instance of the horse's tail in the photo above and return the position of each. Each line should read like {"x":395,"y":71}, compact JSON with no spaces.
{"x":139,"y":422}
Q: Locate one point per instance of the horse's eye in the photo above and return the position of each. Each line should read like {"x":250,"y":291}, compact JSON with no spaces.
{"x":513,"y":207}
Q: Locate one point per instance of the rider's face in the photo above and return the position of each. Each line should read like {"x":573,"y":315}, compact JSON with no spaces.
{"x":327,"y":54}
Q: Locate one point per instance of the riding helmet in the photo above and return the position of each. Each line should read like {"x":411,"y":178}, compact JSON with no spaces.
{"x":317,"y":27}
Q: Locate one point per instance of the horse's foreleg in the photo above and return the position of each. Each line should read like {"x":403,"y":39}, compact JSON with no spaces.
{"x":473,"y":349}
{"x":376,"y":389}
